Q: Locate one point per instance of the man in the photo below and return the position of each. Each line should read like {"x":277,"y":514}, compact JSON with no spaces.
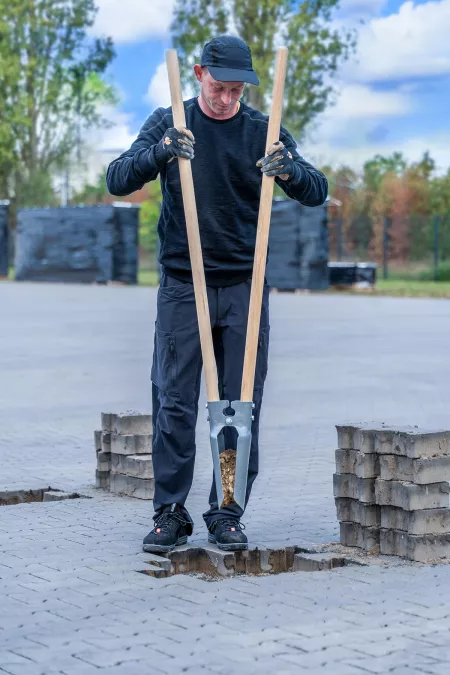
{"x":227,"y":166}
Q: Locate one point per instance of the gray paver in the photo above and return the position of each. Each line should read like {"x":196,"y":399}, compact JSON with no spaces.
{"x":68,"y":569}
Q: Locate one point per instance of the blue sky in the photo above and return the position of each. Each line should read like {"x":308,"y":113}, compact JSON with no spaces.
{"x":394,"y":93}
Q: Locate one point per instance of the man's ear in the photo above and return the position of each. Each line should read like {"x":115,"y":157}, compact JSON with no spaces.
{"x":198,"y":70}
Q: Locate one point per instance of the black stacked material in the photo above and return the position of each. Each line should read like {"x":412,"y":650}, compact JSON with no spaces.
{"x":352,"y":274}
{"x":342,"y":273}
{"x":4,"y":239}
{"x":125,"y":259}
{"x":70,"y":244}
{"x":298,"y":246}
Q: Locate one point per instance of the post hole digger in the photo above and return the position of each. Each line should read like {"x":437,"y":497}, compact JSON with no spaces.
{"x":213,"y":302}
{"x":230,"y":467}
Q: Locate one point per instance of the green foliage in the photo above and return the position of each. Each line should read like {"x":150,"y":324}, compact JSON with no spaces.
{"x":92,"y":194}
{"x":50,"y":85}
{"x":443,"y":272}
{"x":148,"y":218}
{"x":316,"y":50}
{"x":375,"y":169}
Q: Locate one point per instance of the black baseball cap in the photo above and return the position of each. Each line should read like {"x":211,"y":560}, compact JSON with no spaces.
{"x":229,"y":59}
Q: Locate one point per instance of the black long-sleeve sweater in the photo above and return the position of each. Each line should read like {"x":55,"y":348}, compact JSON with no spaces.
{"x":227,"y":186}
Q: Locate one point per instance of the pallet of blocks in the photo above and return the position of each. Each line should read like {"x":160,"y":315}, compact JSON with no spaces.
{"x":124,"y":455}
{"x":392,"y":492}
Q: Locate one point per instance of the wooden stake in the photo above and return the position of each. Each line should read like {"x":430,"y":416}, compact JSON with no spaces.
{"x":262,"y":236}
{"x":195,"y":250}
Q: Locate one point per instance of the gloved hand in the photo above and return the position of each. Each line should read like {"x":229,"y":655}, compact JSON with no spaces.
{"x":176,"y":142}
{"x":278,"y":162}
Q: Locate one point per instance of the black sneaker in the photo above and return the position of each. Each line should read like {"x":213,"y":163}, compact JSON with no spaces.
{"x":171,"y":529}
{"x":227,"y":534}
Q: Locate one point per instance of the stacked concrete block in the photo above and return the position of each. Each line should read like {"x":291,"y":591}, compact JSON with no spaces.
{"x":392,"y":492}
{"x":124,"y":455}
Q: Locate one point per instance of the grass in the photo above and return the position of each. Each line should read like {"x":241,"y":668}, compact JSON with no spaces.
{"x":396,"y":287}
{"x":411,"y":288}
{"x":148,"y":277}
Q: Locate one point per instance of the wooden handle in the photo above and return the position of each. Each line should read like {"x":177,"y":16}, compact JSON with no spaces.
{"x":262,"y":236}
{"x":195,"y":249}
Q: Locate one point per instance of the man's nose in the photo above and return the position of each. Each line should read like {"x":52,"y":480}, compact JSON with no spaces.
{"x":226,"y":97}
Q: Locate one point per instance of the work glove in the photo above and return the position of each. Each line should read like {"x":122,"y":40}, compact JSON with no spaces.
{"x":176,"y":142}
{"x":278,"y":162}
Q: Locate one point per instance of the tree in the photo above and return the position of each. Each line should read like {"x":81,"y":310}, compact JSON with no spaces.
{"x":50,"y":85}
{"x":316,"y":50}
{"x":149,"y":216}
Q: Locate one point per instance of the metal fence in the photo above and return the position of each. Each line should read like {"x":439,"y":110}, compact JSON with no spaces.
{"x":414,"y":243}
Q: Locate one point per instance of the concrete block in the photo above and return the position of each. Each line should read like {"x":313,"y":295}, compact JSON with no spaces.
{"x":349,"y":486}
{"x":313,"y":562}
{"x":413,"y":442}
{"x":137,"y":444}
{"x":411,"y":497}
{"x":351,"y":510}
{"x":102,"y":479}
{"x":426,"y":521}
{"x":355,"y":535}
{"x":358,"y":436}
{"x":345,"y":435}
{"x":140,"y":466}
{"x":56,"y":496}
{"x":106,"y":442}
{"x":354,"y":461}
{"x":107,"y":422}
{"x":420,"y":471}
{"x":98,"y":440}
{"x":421,"y":548}
{"x":419,"y":444}
{"x":141,"y":488}
{"x":104,"y":461}
{"x":129,"y":425}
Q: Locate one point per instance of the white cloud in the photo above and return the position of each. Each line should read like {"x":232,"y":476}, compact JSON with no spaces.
{"x":158,"y":92}
{"x":132,"y":20}
{"x":357,"y":101}
{"x":413,"y":42}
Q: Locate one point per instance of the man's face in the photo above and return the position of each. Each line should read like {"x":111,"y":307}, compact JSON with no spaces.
{"x":221,"y":97}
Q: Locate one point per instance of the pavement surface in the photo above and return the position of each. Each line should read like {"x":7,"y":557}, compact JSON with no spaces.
{"x":72,"y":600}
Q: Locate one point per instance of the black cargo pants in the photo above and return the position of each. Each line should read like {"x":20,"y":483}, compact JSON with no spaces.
{"x":176,"y":374}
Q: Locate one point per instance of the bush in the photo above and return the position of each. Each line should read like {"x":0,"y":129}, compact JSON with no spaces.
{"x":443,"y":272}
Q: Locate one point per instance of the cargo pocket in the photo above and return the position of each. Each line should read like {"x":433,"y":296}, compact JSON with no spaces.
{"x":262,"y":358}
{"x":164,"y":368}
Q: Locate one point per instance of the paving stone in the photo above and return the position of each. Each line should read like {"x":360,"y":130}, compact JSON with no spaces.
{"x":107,"y":422}
{"x":354,"y":535}
{"x":98,"y":440}
{"x":421,"y":548}
{"x":140,"y":466}
{"x":349,"y":486}
{"x":55,"y":496}
{"x":358,"y":463}
{"x":352,"y":510}
{"x":425,"y":521}
{"x":104,"y":461}
{"x":420,"y":471}
{"x":141,"y":488}
{"x":137,"y":444}
{"x":413,"y":443}
{"x":411,"y":497}
{"x":102,"y":479}
{"x":311,"y":562}
{"x":129,"y":425}
{"x":106,"y":442}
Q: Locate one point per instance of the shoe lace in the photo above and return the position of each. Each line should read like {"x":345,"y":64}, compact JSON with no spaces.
{"x":166,"y":521}
{"x":226,"y":523}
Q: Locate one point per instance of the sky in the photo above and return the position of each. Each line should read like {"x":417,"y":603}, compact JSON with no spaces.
{"x":392,"y":95}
